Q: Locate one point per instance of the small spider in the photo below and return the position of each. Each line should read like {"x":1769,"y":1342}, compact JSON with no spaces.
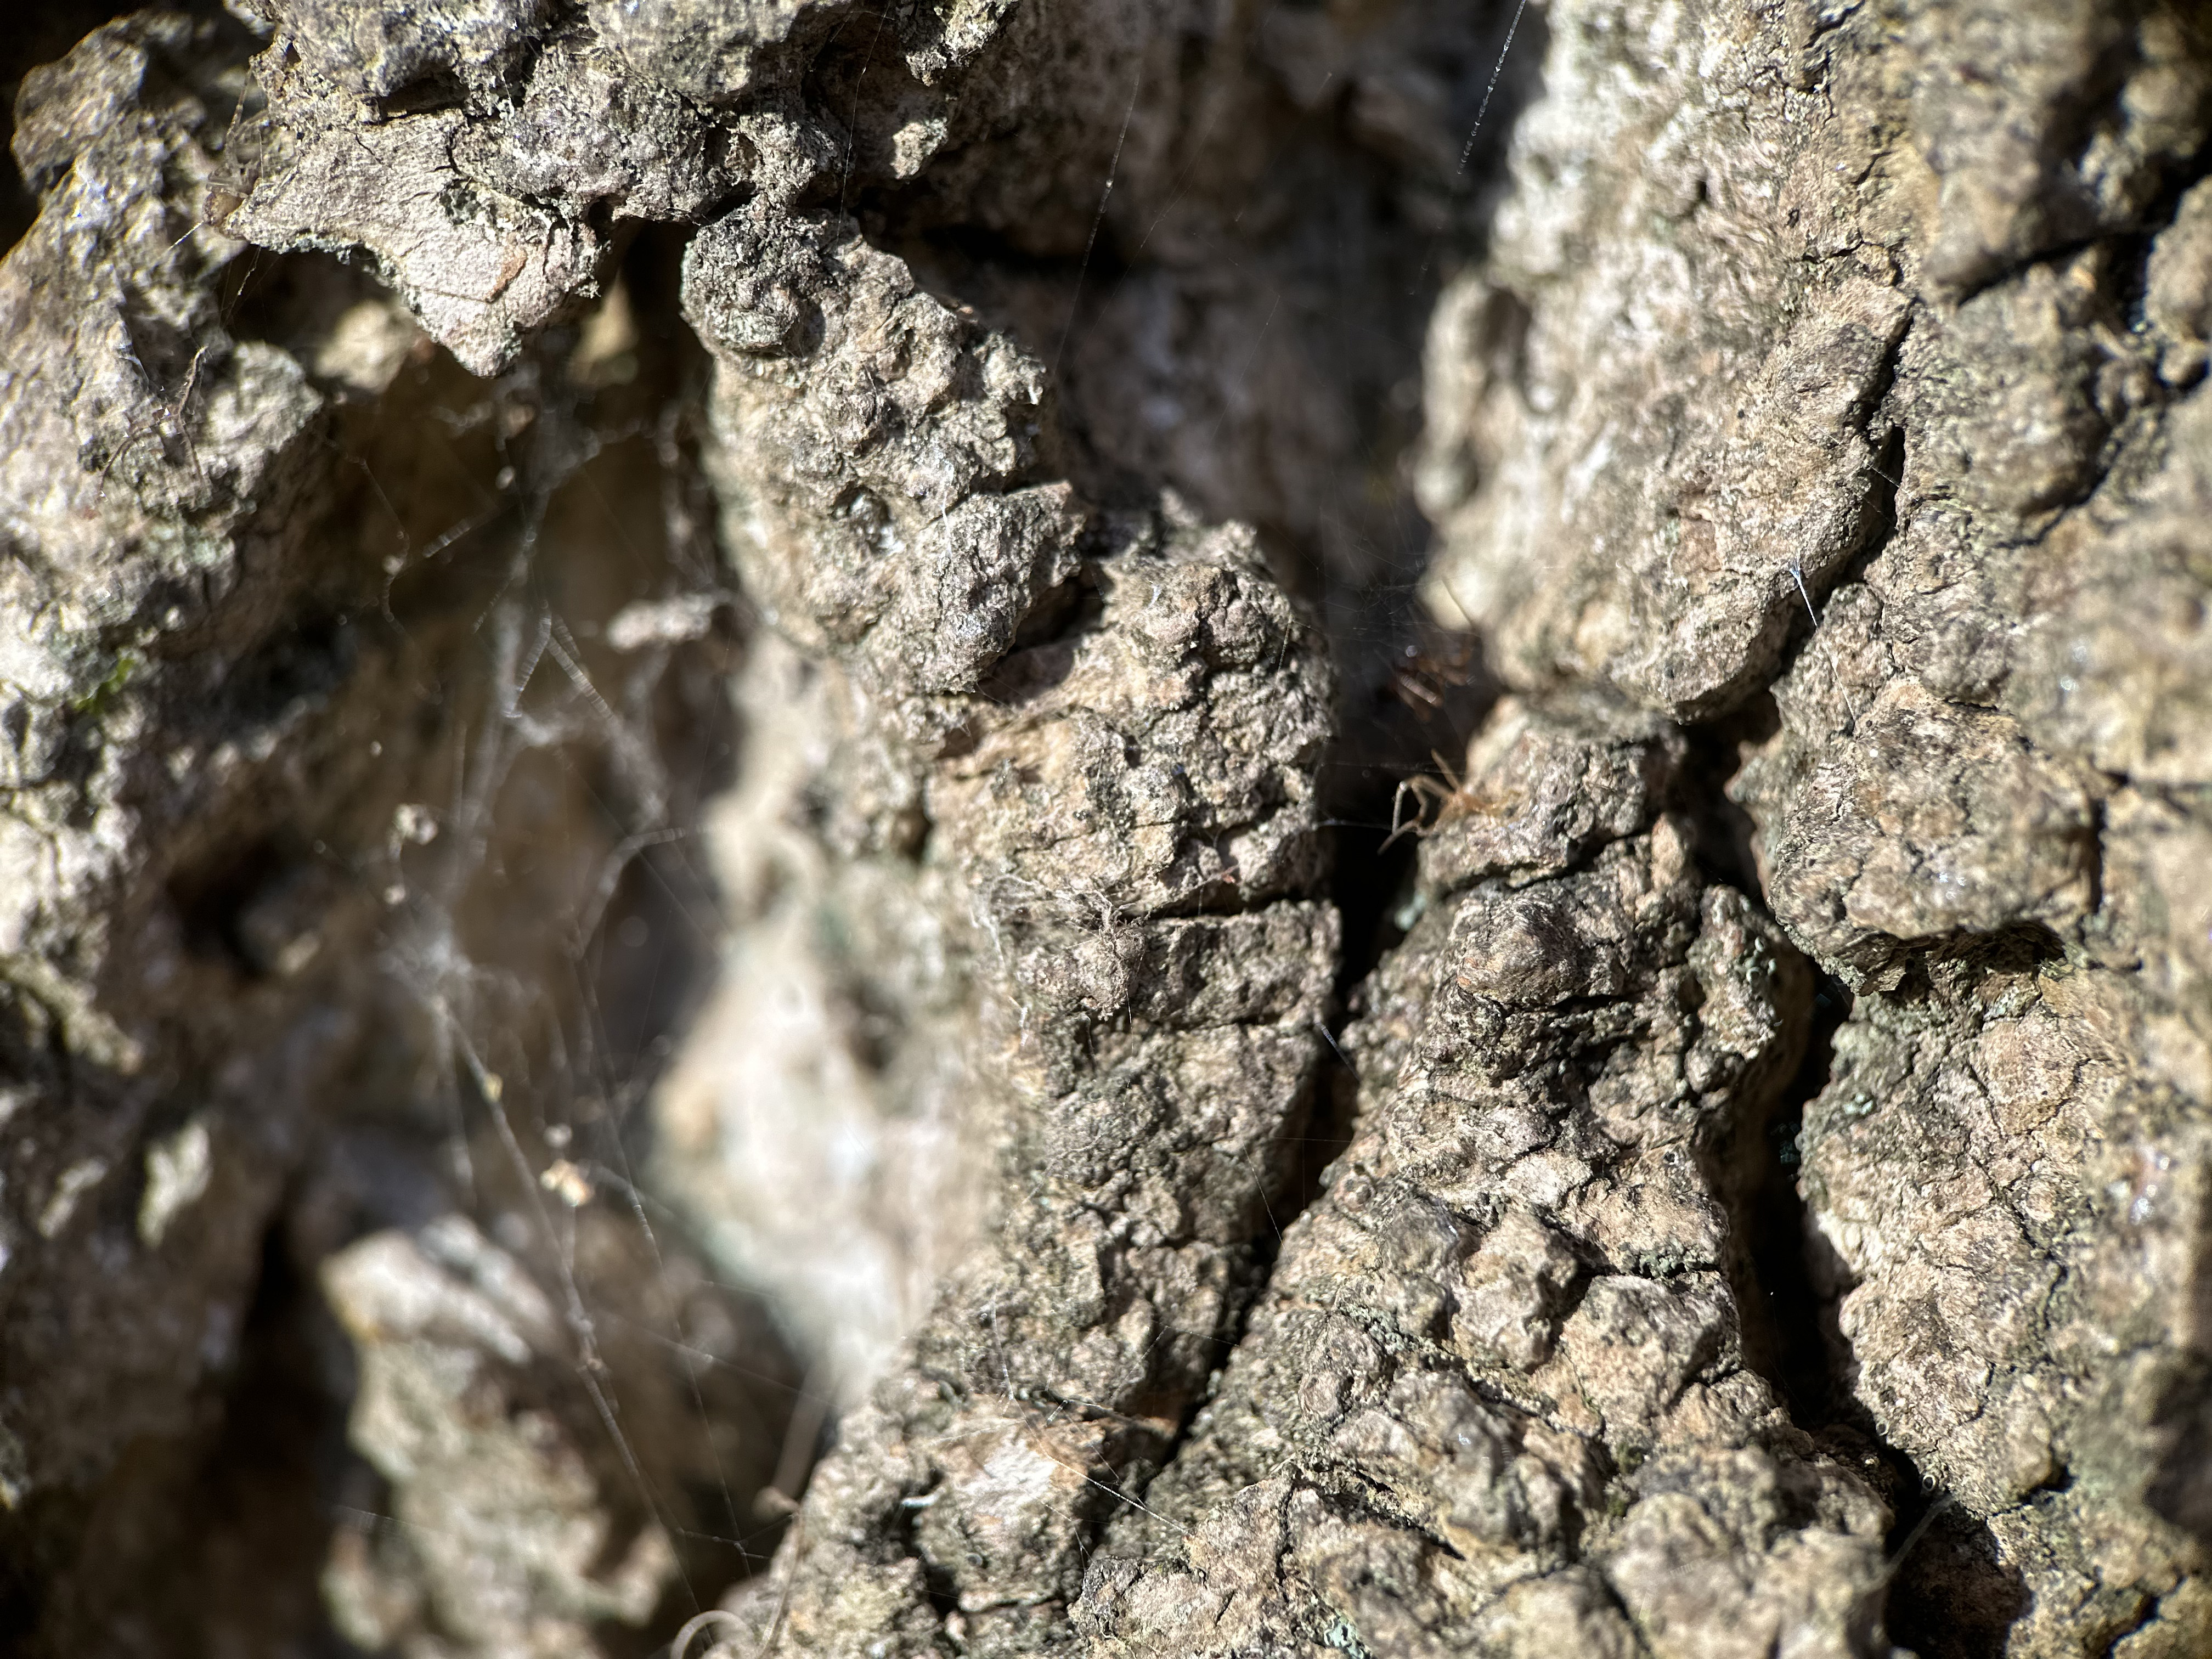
{"x":1450,"y":799}
{"x":1430,"y":671}
{"x":166,"y":423}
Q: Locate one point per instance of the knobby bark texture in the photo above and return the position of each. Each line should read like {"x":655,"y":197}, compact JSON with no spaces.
{"x":1109,"y":827}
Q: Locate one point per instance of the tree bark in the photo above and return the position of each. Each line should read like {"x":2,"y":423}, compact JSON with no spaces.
{"x":1112,"y":827}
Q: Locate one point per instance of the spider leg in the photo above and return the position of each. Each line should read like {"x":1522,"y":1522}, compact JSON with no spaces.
{"x":140,"y":430}
{"x":1423,"y":789}
{"x":179,"y":410}
{"x":166,"y":421}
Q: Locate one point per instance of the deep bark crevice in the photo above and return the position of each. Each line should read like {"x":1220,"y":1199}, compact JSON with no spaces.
{"x":1791,"y":1336}
{"x":1952,"y":1596}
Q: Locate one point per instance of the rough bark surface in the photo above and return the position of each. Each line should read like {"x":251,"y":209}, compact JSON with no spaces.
{"x":695,"y":919}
